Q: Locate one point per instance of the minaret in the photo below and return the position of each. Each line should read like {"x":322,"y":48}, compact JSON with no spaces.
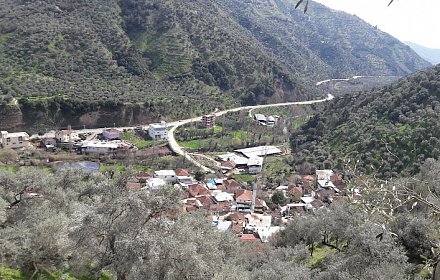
{"x":254,"y":195}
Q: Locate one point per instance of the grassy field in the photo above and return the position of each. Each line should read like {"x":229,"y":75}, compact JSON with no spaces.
{"x":142,"y":144}
{"x":319,"y":254}
{"x":13,"y":168}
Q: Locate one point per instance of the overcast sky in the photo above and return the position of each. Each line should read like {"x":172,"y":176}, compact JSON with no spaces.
{"x":417,"y":21}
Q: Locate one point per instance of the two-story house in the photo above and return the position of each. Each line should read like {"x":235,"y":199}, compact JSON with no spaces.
{"x":65,"y":136}
{"x":158,"y":131}
{"x":15,"y":140}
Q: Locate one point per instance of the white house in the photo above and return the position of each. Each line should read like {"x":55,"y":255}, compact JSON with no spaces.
{"x":158,"y":131}
{"x":266,"y":233}
{"x":255,"y":164}
{"x":166,"y":175}
{"x":261,"y":118}
{"x":258,"y":220}
{"x":14,"y":140}
{"x":324,"y":184}
{"x":111,"y":133}
{"x":222,"y":196}
{"x":155,"y":183}
{"x":324,"y":174}
{"x":270,"y":120}
{"x":99,"y":147}
{"x":65,"y":136}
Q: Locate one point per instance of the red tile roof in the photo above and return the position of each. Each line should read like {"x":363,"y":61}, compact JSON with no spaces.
{"x":335,"y":177}
{"x":340,"y":186}
{"x":237,"y":216}
{"x":308,"y":186}
{"x":135,"y":186}
{"x":308,"y":177}
{"x":206,"y":201}
{"x":228,"y":164}
{"x":296,"y":209}
{"x":248,"y":237}
{"x":243,"y":195}
{"x":259,"y":202}
{"x":231,"y":183}
{"x":317,"y":203}
{"x":295,"y":191}
{"x":144,"y":175}
{"x":237,"y":227}
{"x":190,"y":208}
{"x":337,"y":198}
{"x":198,"y":189}
{"x":64,"y":132}
{"x":181,"y":172}
{"x":322,"y":194}
{"x":221,"y":187}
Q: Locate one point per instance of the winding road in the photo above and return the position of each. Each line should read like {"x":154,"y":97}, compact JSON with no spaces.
{"x":179,"y":150}
{"x":175,"y":147}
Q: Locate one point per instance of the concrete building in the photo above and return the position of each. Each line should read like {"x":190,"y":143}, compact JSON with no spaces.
{"x":324,"y":174}
{"x":260,"y":118}
{"x":158,"y":131}
{"x":99,"y":147}
{"x":64,"y":136}
{"x":270,"y":120}
{"x":155,"y":183}
{"x":111,"y":133}
{"x":259,"y":151}
{"x":15,"y":140}
{"x":208,"y":120}
{"x":166,"y":175}
{"x":255,"y":165}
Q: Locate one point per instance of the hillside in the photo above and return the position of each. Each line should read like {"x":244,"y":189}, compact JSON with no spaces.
{"x":428,"y":54}
{"x":390,"y":131}
{"x":176,"y":58}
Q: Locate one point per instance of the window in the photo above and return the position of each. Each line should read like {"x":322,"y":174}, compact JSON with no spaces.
{"x":8,"y":139}
{"x":20,"y":138}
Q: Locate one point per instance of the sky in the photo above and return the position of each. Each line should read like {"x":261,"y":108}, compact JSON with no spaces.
{"x":417,"y":21}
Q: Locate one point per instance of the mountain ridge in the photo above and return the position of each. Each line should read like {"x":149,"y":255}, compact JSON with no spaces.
{"x":189,"y":56}
{"x":429,"y":54}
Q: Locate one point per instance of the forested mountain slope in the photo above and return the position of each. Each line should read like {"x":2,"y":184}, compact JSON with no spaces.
{"x":180,"y":57}
{"x":390,"y":131}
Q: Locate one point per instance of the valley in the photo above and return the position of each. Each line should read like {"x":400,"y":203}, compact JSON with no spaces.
{"x":200,"y":139}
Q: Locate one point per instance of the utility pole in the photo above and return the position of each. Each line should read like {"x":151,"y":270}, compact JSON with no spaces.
{"x":69,"y":128}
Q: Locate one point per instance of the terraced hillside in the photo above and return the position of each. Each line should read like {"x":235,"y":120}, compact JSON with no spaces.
{"x":64,"y":59}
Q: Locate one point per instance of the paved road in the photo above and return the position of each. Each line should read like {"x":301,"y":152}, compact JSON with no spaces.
{"x":177,"y":149}
{"x":172,"y":141}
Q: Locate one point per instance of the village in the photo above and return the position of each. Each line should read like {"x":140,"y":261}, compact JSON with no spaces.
{"x":253,"y":212}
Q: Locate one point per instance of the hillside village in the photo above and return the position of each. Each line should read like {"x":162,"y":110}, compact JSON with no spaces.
{"x":252,"y":212}
{"x":232,"y":206}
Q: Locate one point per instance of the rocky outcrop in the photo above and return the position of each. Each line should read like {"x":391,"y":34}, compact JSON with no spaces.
{"x":14,"y":118}
{"x":11,"y":117}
